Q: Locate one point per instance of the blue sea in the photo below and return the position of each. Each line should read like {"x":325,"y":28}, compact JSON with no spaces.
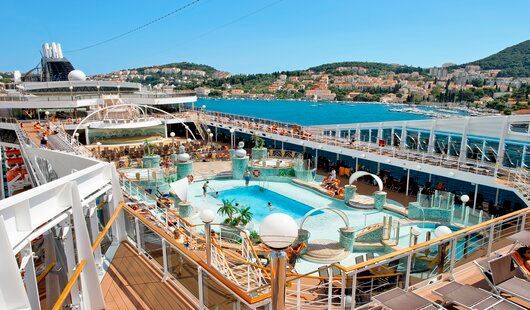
{"x":308,"y":112}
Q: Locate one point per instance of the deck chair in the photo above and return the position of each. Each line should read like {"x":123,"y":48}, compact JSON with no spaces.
{"x":506,"y":278}
{"x":359,"y":259}
{"x":399,"y":299}
{"x":369,"y":256}
{"x":470,"y":297}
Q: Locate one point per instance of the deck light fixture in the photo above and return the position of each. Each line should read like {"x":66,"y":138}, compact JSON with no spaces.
{"x":278,"y":231}
{"x":207,"y":217}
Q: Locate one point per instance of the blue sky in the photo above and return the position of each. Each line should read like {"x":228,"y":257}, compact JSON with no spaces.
{"x":291,"y":34}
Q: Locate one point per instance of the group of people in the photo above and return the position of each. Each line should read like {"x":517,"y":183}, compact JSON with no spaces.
{"x":332,"y":185}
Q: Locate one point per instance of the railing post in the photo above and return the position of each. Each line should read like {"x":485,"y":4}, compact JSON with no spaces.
{"x":165,"y":259}
{"x":452,"y":258}
{"x":523,"y":220}
{"x":201,"y":292}
{"x":490,"y":239}
{"x":298,"y":301}
{"x":353,"y":288}
{"x":330,"y":286}
{"x":138,"y":238}
{"x":408,"y":270}
{"x":342,"y":289}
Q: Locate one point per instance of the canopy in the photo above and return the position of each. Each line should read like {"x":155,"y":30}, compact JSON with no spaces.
{"x":359,"y":174}
{"x":180,"y":188}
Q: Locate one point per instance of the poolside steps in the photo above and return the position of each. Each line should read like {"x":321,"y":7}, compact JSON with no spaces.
{"x":371,"y":233}
{"x":325,"y":251}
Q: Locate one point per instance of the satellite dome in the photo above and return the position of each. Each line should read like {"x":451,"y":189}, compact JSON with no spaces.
{"x":76,"y":75}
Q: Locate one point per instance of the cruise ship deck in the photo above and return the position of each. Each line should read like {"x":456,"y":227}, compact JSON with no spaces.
{"x":117,"y":197}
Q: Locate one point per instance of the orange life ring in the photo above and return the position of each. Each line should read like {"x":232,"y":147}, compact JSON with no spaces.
{"x":190,"y":178}
{"x":256,"y":173}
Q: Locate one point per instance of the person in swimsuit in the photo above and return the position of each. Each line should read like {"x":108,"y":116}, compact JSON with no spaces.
{"x":247,"y":177}
{"x":205,"y":188}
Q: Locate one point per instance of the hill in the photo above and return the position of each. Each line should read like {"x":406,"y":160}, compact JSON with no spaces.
{"x":374,"y":68}
{"x":513,"y":61}
{"x":182,"y":65}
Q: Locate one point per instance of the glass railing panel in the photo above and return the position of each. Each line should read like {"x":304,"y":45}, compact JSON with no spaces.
{"x":375,"y":280}
{"x":505,"y":229}
{"x":215,"y":296}
{"x":183,"y":270}
{"x":428,"y":262}
{"x":471,"y":246}
{"x":151,"y":244}
{"x":130,"y":226}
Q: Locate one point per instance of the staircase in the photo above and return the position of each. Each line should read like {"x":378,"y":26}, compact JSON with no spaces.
{"x":201,"y":131}
{"x":521,"y":183}
{"x":25,"y":142}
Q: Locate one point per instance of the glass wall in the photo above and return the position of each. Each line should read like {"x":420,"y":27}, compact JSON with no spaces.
{"x":215,"y":295}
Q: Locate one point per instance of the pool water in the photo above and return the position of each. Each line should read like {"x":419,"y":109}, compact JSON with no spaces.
{"x":257,"y":198}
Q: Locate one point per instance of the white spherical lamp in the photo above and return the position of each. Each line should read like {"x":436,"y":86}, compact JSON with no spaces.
{"x":182,"y":155}
{"x":240,"y":152}
{"x":172,"y":134}
{"x":98,"y":143}
{"x":207,"y":216}
{"x":464,"y":198}
{"x":210,"y":135}
{"x":76,"y":75}
{"x":232,"y":130}
{"x":278,"y":231}
{"x":441,"y":231}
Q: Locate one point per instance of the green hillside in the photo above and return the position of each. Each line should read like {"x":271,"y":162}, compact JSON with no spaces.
{"x":183,"y":65}
{"x":513,"y":61}
{"x":374,"y":68}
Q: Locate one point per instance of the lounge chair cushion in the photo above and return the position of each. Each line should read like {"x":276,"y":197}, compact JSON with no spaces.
{"x":516,"y":287}
{"x":386,"y":296}
{"x":448,"y":288}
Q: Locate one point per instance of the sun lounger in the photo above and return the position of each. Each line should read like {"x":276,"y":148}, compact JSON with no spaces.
{"x":399,"y":299}
{"x":469,"y":297}
{"x":504,"y":277}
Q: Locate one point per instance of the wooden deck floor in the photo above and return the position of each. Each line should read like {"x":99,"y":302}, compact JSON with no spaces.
{"x":132,"y":283}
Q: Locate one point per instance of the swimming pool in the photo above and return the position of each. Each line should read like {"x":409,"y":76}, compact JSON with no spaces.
{"x":257,"y":198}
{"x":296,"y":201}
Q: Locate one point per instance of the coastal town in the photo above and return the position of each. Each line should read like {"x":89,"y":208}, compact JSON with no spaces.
{"x":471,"y":85}
{"x":492,"y":88}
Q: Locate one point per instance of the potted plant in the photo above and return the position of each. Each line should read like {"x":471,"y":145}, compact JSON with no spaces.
{"x":235,"y":217}
{"x":228,"y":210}
{"x":259,"y":151}
{"x":150,"y":159}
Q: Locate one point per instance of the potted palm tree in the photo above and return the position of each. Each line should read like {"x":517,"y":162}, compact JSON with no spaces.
{"x":235,"y":218}
{"x":259,"y":151}
{"x":150,"y":159}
